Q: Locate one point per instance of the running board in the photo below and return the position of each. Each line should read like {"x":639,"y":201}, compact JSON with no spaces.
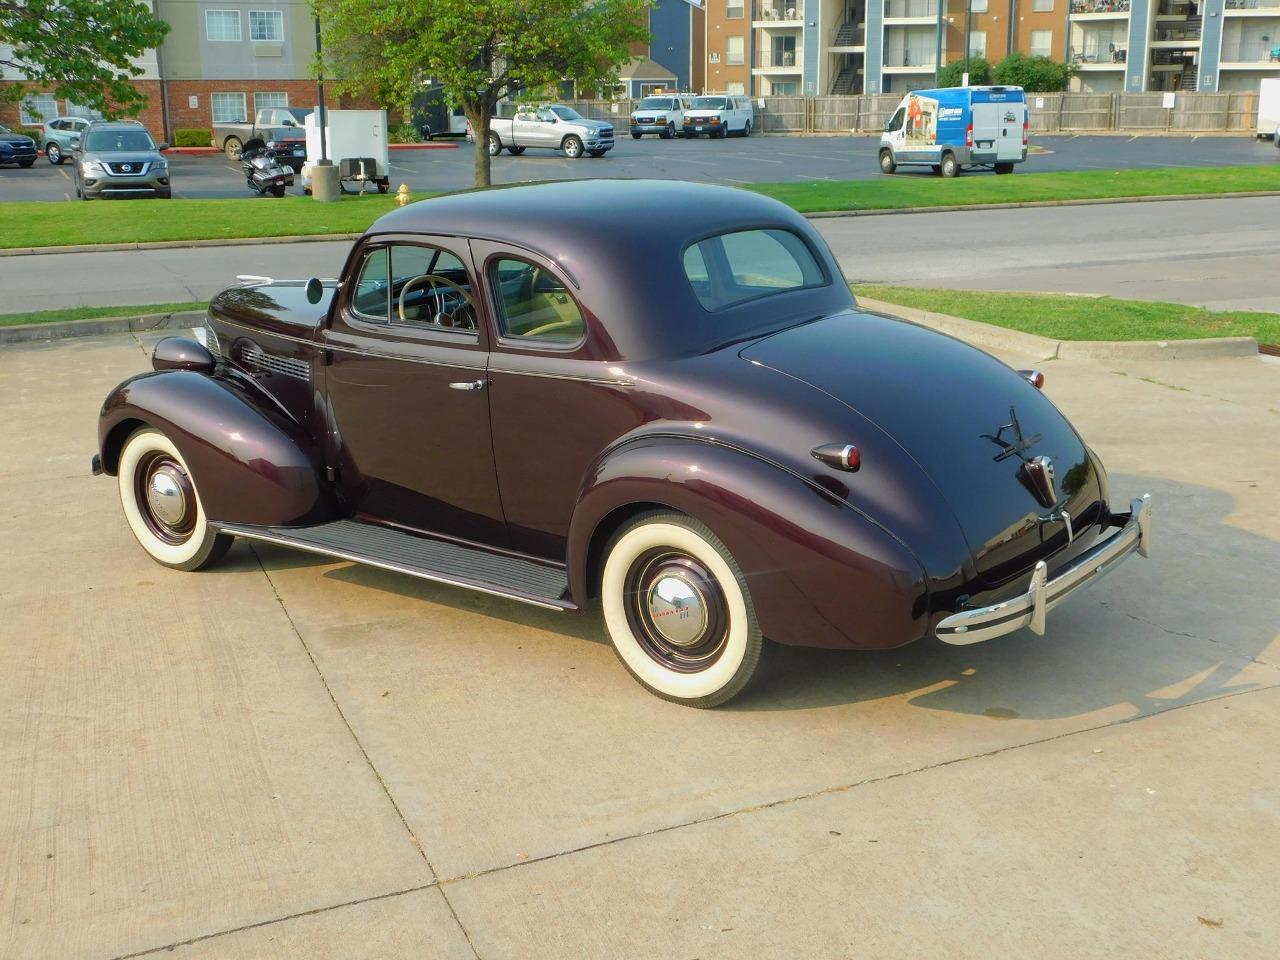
{"x":438,"y":560}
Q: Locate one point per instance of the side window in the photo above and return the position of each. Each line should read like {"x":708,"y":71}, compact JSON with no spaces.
{"x":533,"y":303}
{"x":430,"y":288}
{"x":895,"y":123}
{"x":370,"y":296}
{"x":746,"y":265}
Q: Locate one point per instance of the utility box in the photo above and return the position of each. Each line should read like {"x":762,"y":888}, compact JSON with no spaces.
{"x":355,"y":142}
{"x":1268,"y":107}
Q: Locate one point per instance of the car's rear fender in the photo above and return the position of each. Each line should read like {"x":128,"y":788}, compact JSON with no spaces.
{"x":820,"y":573}
{"x":251,"y":464}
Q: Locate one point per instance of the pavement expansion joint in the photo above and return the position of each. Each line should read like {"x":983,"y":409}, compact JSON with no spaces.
{"x":382,"y":783}
{"x":845,"y":787}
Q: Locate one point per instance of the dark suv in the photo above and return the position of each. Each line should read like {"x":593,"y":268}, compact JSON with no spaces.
{"x":119,"y":159}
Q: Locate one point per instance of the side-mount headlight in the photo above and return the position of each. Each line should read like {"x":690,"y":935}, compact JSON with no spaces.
{"x":91,"y":168}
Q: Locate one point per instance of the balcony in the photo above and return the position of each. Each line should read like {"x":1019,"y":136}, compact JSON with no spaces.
{"x":778,"y":13}
{"x":1182,"y":33}
{"x":911,"y":61}
{"x":1095,"y":56}
{"x":773,"y":60}
{"x":1089,"y":7}
{"x":910,"y":10}
{"x":1256,"y":51}
{"x":1257,"y":8}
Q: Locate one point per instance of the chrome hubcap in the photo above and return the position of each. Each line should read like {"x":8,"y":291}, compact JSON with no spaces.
{"x":166,"y":498}
{"x":678,"y":610}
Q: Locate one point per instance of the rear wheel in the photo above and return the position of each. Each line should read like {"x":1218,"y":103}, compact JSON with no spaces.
{"x":887,"y":163}
{"x":161,"y":504}
{"x":949,"y":168}
{"x":232,"y":147}
{"x":746,"y":131}
{"x":53,"y":153}
{"x":636,"y":136}
{"x":494,"y":144}
{"x":1004,"y":168}
{"x":678,"y":610}
{"x":516,"y":151}
{"x":277,"y":191}
{"x":572,"y":147}
{"x":26,"y":163}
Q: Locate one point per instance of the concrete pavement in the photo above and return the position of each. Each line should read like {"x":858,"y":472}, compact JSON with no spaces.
{"x":1216,"y":253}
{"x":289,"y":757}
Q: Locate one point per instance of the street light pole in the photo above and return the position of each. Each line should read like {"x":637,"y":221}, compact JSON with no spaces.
{"x":324,"y":152}
{"x":968,"y":25}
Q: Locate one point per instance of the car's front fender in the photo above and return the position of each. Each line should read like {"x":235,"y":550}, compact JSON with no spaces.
{"x":250,"y":463}
{"x":820,"y":573}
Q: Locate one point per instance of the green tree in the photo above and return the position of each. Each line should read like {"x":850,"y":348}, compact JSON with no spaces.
{"x":479,"y":51}
{"x":81,"y":50}
{"x":952,"y":74}
{"x":1033,"y":74}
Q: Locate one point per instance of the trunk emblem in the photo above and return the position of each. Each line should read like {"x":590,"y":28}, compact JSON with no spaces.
{"x":1020,"y":444}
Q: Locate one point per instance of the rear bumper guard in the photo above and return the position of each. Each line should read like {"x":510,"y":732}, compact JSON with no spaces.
{"x":1043,"y":594}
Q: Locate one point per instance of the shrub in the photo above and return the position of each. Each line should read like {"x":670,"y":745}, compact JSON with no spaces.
{"x":405,"y":133}
{"x":34,"y":134}
{"x":953,"y":73}
{"x":192,"y":137}
{"x":1033,"y":74}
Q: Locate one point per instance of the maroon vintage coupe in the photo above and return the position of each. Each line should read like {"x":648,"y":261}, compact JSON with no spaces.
{"x":660,"y":395}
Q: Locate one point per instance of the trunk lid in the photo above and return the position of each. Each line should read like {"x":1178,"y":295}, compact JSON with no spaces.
{"x":970,"y":422}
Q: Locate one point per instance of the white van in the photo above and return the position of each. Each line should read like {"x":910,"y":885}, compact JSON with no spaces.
{"x":1269,"y":108}
{"x":661,"y":113}
{"x":718,"y":115}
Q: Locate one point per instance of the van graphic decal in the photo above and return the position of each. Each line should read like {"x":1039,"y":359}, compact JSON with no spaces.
{"x":922,"y":120}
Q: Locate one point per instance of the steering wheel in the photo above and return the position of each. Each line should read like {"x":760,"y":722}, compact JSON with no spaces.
{"x":434,"y":279}
{"x":553,"y":326}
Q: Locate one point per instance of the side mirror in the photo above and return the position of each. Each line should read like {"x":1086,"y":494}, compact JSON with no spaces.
{"x":315,"y":290}
{"x":162,"y":147}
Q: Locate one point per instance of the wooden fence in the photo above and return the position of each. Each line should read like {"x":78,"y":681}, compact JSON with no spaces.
{"x":1046,"y":113}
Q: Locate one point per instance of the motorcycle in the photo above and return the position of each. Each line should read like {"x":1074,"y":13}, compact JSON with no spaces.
{"x":264,"y":171}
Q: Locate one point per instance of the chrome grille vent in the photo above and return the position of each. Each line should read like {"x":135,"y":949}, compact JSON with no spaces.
{"x":207,"y":336}
{"x":254,"y":357}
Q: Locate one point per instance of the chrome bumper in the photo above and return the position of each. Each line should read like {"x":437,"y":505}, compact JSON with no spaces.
{"x":1029,"y":609}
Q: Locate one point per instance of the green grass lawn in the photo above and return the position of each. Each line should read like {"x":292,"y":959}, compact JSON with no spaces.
{"x":85,"y":313}
{"x":43,"y":224}
{"x":1083,"y":318}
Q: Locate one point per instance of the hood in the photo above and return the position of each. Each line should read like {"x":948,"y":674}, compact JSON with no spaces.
{"x":279,"y":307}
{"x":591,"y":124}
{"x":127,"y":156}
{"x":967,"y":420}
{"x":16,"y":138}
{"x":704,"y":112}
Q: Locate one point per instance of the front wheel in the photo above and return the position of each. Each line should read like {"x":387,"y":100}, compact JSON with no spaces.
{"x":887,"y":163}
{"x":25,"y":164}
{"x":232,"y":148}
{"x":161,"y":505}
{"x":572,"y":147}
{"x":678,"y":610}
{"x":636,"y":136}
{"x":668,"y":131}
{"x":53,"y":153}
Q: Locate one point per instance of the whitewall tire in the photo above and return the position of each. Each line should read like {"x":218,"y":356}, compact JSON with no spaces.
{"x":678,"y":610}
{"x":161,"y":504}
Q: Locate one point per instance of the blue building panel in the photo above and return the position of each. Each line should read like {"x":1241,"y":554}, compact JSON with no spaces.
{"x":671,"y":24}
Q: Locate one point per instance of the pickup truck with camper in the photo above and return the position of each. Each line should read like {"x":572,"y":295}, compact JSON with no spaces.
{"x":957,"y":127}
{"x":276,"y":127}
{"x":662,"y":114}
{"x":554,"y":127}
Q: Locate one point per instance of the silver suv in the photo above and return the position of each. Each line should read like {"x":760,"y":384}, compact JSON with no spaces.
{"x":119,"y":159}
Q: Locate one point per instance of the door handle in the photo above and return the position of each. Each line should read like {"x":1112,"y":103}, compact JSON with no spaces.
{"x":469,"y":385}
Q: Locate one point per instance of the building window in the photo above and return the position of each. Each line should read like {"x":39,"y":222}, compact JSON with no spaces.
{"x":784,"y":88}
{"x":734,"y":10}
{"x":266,"y":25}
{"x":978,"y":6}
{"x":735,"y":87}
{"x":228,"y":108}
{"x":1041,"y":43}
{"x":222,"y":25}
{"x":1044,"y":6}
{"x":265,"y":101}
{"x":977,"y":43}
{"x":88,"y":113}
{"x":38,"y":109}
{"x":733,"y":49}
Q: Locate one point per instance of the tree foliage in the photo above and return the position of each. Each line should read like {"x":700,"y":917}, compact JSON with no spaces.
{"x":1033,"y":74}
{"x":952,"y":74}
{"x":479,"y":51}
{"x":81,"y":50}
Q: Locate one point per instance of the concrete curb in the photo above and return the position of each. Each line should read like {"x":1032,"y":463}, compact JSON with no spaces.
{"x":991,"y":337}
{"x":178,"y":244}
{"x":96,"y":326}
{"x":1032,"y":204}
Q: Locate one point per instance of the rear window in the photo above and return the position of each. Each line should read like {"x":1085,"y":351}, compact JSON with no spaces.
{"x":732,"y":268}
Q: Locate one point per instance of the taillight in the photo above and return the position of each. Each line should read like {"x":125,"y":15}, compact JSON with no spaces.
{"x":1033,"y":377}
{"x":1024,"y":133}
{"x":842,"y":456}
{"x":968,"y":135}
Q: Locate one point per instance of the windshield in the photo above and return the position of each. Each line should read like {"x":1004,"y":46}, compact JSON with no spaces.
{"x":4,"y":129}
{"x":566,"y":113}
{"x":709,"y":103}
{"x":657,"y":103}
{"x":111,"y":141}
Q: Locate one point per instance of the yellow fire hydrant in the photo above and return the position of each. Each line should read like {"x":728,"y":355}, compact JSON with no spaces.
{"x":403,"y":196}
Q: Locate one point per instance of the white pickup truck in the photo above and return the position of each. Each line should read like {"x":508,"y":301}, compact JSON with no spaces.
{"x":555,"y":127}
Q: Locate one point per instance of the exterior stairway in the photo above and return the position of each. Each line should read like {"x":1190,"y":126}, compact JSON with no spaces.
{"x":850,"y":34}
{"x":845,"y":81}
{"x":1190,"y":75}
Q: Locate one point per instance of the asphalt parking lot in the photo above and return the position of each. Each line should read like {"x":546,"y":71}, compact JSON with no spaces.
{"x":732,"y":161}
{"x":289,"y":757}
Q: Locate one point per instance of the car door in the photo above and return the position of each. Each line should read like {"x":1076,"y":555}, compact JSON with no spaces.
{"x":405,"y":376}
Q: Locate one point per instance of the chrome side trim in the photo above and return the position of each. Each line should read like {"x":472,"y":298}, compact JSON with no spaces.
{"x":250,"y":533}
{"x":598,"y":381}
{"x":1043,"y":594}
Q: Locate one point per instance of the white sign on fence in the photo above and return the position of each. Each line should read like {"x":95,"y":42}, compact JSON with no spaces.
{"x":1039,"y":103}
{"x":1168,"y":100}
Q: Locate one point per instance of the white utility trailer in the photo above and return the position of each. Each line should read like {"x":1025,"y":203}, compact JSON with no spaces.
{"x":1268,"y":107}
{"x":356,"y":143}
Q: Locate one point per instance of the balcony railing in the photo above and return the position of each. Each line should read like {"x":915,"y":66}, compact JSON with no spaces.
{"x":912,"y":58}
{"x":1101,"y":6}
{"x":1257,"y":51}
{"x":779,"y":58}
{"x":781,"y":10}
{"x":911,"y":8}
{"x":1175,"y":8}
{"x":1190,"y":31}
{"x":1099,"y":54}
{"x":1253,"y":4}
